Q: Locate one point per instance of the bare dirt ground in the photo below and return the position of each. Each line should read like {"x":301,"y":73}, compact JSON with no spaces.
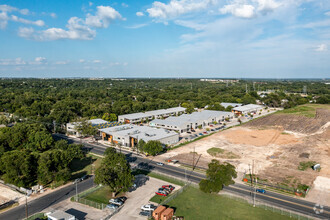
{"x":276,"y":143}
{"x":7,"y":194}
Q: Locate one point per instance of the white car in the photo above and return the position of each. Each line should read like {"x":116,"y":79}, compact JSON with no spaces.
{"x":116,"y":202}
{"x":148,"y":207}
{"x":160,"y":164}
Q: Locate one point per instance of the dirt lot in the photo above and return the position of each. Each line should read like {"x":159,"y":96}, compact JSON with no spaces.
{"x":276,"y":143}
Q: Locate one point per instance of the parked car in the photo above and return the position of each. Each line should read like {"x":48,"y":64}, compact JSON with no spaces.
{"x":112,"y":206}
{"x":84,"y":177}
{"x":192,"y":130}
{"x":189,"y":132}
{"x":261,"y":191}
{"x":212,"y":129}
{"x":161,"y":193}
{"x":204,"y":132}
{"x":116,"y":202}
{"x":122,"y":198}
{"x":170,"y":187}
{"x":201,"y":134}
{"x":211,"y":125}
{"x":160,"y":164}
{"x":164,"y":190}
{"x":148,"y":207}
{"x":145,"y":213}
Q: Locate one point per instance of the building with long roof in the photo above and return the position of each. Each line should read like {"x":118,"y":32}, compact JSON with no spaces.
{"x":149,"y":115}
{"x":129,"y":135}
{"x":246,"y":109}
{"x":186,"y":122}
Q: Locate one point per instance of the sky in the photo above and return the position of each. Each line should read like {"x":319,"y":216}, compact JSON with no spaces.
{"x":165,"y":38}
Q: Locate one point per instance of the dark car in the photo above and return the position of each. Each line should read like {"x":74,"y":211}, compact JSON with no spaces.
{"x":145,"y":213}
{"x":122,"y":198}
{"x":84,"y":177}
{"x":170,"y":187}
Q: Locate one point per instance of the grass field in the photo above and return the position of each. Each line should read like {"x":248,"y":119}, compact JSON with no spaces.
{"x":102,"y":195}
{"x":194,"y":204}
{"x":84,"y":166}
{"x":307,"y":110}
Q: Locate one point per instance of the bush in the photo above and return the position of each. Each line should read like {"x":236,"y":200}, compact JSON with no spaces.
{"x":306,"y":164}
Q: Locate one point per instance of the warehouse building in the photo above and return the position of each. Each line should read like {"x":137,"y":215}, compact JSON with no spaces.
{"x":98,"y":123}
{"x":129,"y":135}
{"x":187,"y":122}
{"x":150,"y":115}
{"x":226,"y":104}
{"x":246,"y":109}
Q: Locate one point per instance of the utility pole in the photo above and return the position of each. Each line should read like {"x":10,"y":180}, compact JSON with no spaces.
{"x":26,"y":207}
{"x":193,"y":164}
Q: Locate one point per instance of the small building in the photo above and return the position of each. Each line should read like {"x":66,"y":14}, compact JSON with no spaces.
{"x":167,"y":214}
{"x":98,"y":123}
{"x":129,"y":135}
{"x":226,"y":104}
{"x":158,"y":212}
{"x":246,"y":109}
{"x":187,"y":122}
{"x":60,"y":215}
{"x":150,"y":115}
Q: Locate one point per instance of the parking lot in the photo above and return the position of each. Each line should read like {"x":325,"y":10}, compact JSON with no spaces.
{"x":138,"y":198}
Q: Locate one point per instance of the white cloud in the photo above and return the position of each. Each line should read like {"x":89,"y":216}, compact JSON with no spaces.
{"x":90,"y":4}
{"x":239,"y":10}
{"x":139,"y":14}
{"x":3,"y":20}
{"x":8,"y":62}
{"x":177,"y":7}
{"x":82,"y":61}
{"x":136,"y":26}
{"x":327,"y":13}
{"x":321,"y":48}
{"x":124,"y":5}
{"x":24,"y":11}
{"x":25,"y":32}
{"x":25,"y":21}
{"x":96,"y":61}
{"x":266,"y":6}
{"x":53,"y":15}
{"x":103,"y":17}
{"x":39,"y":61}
{"x":7,"y":8}
{"x":61,"y":62}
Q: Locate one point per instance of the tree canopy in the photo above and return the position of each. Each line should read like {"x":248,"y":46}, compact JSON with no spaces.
{"x":114,"y":172}
{"x":152,"y":148}
{"x":217,"y":175}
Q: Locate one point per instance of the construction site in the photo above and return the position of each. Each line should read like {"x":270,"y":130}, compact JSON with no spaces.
{"x":281,"y":147}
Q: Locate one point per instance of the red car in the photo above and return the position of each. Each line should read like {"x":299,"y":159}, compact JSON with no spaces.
{"x":161,"y":193}
{"x":204,"y":132}
{"x":170,"y":187}
{"x":211,"y":125}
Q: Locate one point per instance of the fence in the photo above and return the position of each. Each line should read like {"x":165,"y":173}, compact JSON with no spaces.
{"x":273,"y":208}
{"x":174,"y":195}
{"x":91,"y":203}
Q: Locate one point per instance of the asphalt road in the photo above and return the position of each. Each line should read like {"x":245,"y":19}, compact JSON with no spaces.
{"x":290,"y":203}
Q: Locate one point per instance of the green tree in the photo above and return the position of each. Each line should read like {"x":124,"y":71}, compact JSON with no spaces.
{"x":114,"y":172}
{"x":153,"y":148}
{"x":109,"y":117}
{"x":189,"y":107}
{"x":141,"y":145}
{"x":217,"y":176}
{"x":85,"y":128}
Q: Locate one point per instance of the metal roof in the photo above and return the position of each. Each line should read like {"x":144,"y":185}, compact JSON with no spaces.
{"x":226,"y":104}
{"x":152,"y":113}
{"x":60,"y":215}
{"x":247,"y":107}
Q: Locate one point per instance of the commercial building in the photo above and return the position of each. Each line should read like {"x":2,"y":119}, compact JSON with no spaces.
{"x":129,"y":135}
{"x":187,"y":122}
{"x":149,"y":115}
{"x":245,"y":109}
{"x":60,"y":215}
{"x":98,"y":123}
{"x":226,"y":104}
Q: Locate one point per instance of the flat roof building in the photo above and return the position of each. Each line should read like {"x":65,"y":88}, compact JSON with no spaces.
{"x":149,"y":115}
{"x":60,"y":215}
{"x":129,"y":135}
{"x":226,"y":104}
{"x":245,"y":109}
{"x":187,"y":122}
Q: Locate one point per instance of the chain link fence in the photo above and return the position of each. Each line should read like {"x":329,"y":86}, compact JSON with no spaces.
{"x":174,"y":195}
{"x":81,"y":199}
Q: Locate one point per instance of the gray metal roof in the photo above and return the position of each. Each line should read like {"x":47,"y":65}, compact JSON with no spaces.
{"x":60,"y":215}
{"x":139,"y":132}
{"x":226,"y":104}
{"x":152,"y":113}
{"x":248,"y":107}
{"x":97,"y":121}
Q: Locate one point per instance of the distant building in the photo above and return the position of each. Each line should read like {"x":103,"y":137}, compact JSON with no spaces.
{"x":98,"y":123}
{"x":129,"y":135}
{"x":149,"y":115}
{"x":226,"y":104}
{"x":187,"y":122}
{"x":60,"y":215}
{"x":245,"y":109}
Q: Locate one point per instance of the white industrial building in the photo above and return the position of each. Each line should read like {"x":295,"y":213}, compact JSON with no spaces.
{"x":226,"y":104}
{"x":71,"y":127}
{"x":245,"y":109}
{"x":149,"y":115}
{"x":129,"y":135}
{"x":187,"y":122}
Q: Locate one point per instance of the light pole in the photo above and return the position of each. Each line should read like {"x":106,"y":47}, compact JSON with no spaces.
{"x":26,"y":207}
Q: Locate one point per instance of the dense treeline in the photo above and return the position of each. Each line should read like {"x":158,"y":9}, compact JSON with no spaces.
{"x":29,"y":155}
{"x":64,"y":100}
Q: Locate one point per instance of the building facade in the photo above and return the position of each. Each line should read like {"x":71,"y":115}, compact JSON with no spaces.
{"x":246,"y":109}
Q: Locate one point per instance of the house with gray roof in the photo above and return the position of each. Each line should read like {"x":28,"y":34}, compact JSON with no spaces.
{"x":246,"y":109}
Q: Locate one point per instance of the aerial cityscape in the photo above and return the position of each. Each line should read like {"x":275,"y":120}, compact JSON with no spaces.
{"x":165,"y":110}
